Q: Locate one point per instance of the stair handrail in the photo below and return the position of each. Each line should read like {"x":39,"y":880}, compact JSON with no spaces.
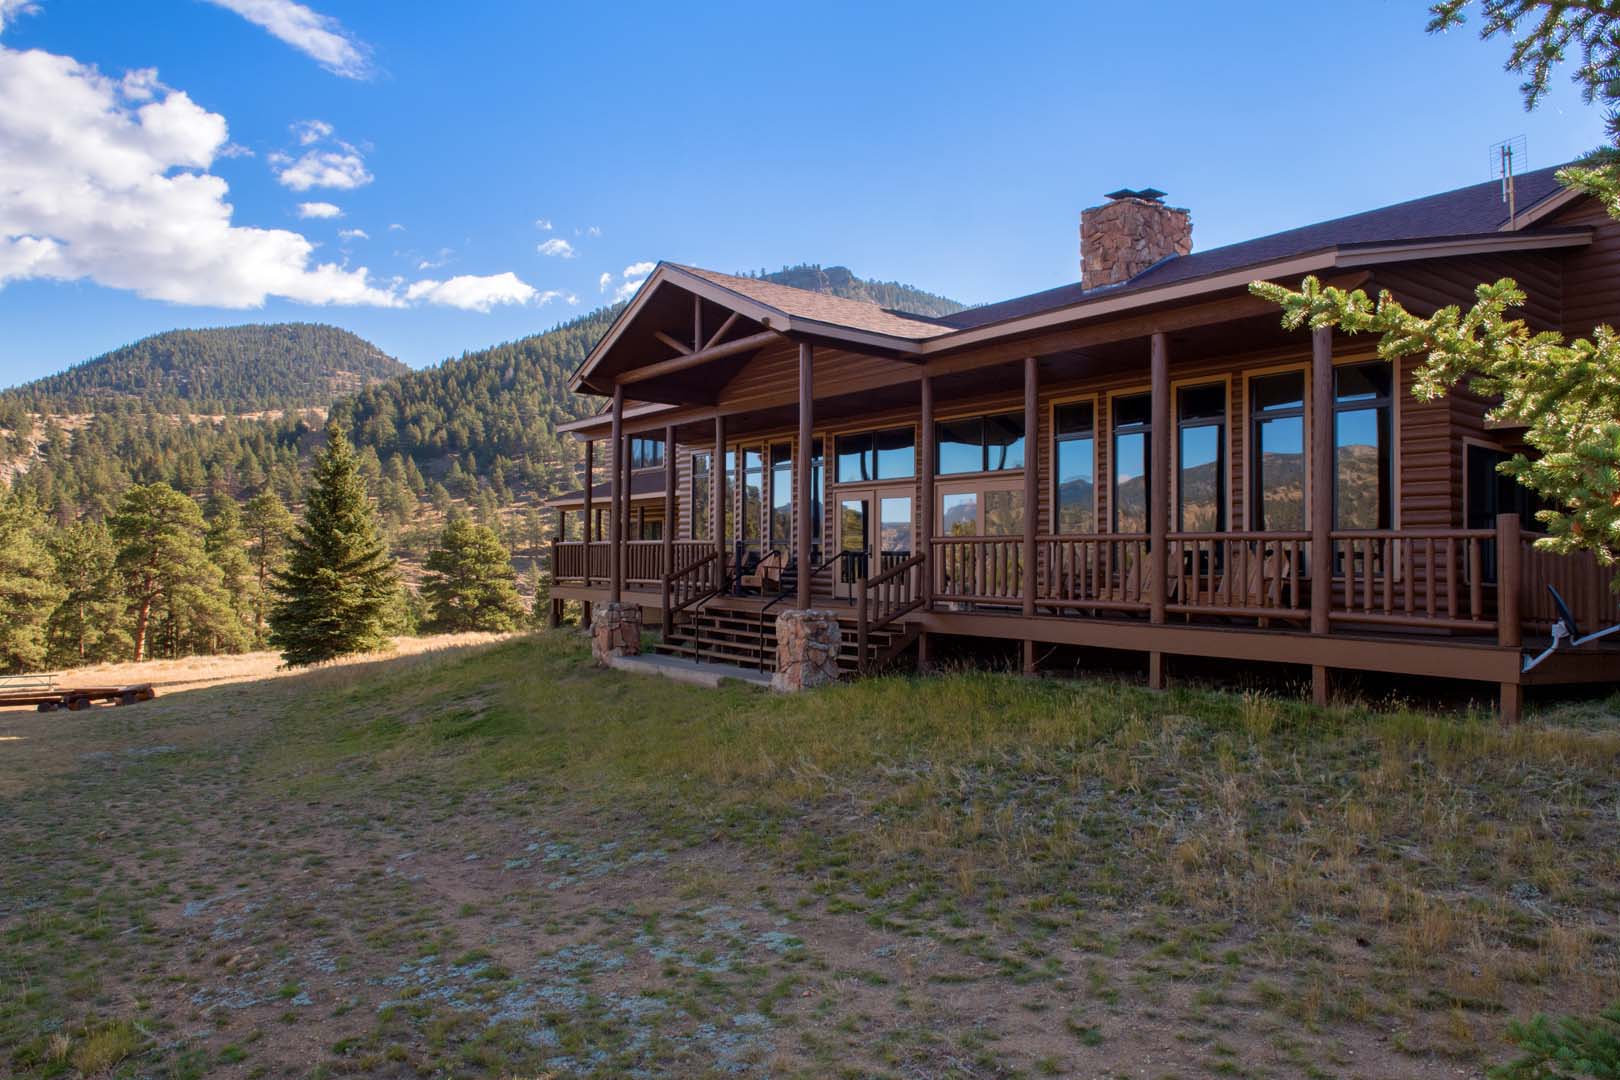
{"x":684,"y":578}
{"x":888,"y":608}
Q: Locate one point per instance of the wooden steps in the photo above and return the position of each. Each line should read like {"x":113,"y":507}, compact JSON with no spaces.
{"x":725,"y":633}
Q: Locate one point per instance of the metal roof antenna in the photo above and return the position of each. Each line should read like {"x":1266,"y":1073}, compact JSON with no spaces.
{"x":1507,"y":157}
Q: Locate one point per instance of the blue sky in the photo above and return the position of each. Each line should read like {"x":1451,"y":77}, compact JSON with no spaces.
{"x":946,"y":145}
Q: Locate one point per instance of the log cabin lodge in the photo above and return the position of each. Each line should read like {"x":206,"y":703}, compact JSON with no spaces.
{"x":1143,"y":461}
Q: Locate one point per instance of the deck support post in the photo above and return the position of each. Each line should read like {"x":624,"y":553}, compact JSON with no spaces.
{"x":1321,"y":686}
{"x":669,"y":525}
{"x":617,"y":500}
{"x":717,"y":498}
{"x":924,"y":660}
{"x":1320,"y":420}
{"x":590,"y":515}
{"x":1510,"y":703}
{"x":1158,"y":492}
{"x":1155,"y":675}
{"x":802,"y":463}
{"x":925,"y":506}
{"x":1032,"y":501}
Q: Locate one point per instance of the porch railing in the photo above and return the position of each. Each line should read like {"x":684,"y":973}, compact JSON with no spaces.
{"x":1414,"y":578}
{"x":1251,"y":574}
{"x":575,"y":562}
{"x":978,"y":569}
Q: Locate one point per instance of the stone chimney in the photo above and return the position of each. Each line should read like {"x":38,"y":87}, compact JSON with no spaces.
{"x":1129,"y":233}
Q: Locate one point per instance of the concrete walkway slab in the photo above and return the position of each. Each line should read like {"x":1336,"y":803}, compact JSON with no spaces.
{"x":683,"y":670}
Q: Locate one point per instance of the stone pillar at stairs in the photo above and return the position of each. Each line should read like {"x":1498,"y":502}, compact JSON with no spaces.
{"x":807,"y":644}
{"x":615,"y":631}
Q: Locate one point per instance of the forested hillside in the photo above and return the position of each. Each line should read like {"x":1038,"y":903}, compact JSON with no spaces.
{"x":224,"y":370}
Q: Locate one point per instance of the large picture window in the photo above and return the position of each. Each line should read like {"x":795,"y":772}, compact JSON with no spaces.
{"x":781,"y":495}
{"x":980,"y":444}
{"x":1361,"y":446}
{"x":702,"y":493}
{"x":1133,"y":421}
{"x":753,"y":496}
{"x":646,"y":453}
{"x":876,"y":455}
{"x":1201,"y":458}
{"x":1074,"y":455}
{"x":1277,"y":451}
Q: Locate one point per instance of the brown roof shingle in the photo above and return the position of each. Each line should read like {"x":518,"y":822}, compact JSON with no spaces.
{"x":822,"y":307}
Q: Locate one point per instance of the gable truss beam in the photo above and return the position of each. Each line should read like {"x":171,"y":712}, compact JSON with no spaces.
{"x":693,"y":359}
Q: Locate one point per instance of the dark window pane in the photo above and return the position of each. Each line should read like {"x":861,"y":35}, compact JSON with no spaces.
{"x":896,"y":454}
{"x":1136,"y":409}
{"x":1130,"y":483}
{"x":1361,"y":382}
{"x":1273,"y":393}
{"x":1076,"y":485}
{"x":1198,"y":488}
{"x":1004,"y":442}
{"x":1075,"y":419}
{"x":960,"y":514}
{"x":781,"y":495}
{"x":702,"y":516}
{"x":854,"y":458}
{"x":1280,"y":471}
{"x":960,"y":446}
{"x":753,"y":494}
{"x":895,"y":523}
{"x":818,"y":484}
{"x":1203,"y":402}
{"x":1361,"y":463}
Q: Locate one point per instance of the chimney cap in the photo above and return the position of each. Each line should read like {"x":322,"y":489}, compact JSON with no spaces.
{"x":1146,"y":194}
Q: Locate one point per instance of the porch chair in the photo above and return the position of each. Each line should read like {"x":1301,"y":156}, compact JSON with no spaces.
{"x":765,"y":572}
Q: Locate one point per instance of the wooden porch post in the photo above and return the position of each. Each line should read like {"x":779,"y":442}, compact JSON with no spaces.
{"x":1032,"y":504}
{"x":626,"y":533}
{"x":617,"y":500}
{"x":717,"y":496}
{"x":1509,"y":632}
{"x":1158,"y":486}
{"x":806,"y":422}
{"x":590,"y":515}
{"x":669,"y":522}
{"x":1321,"y":421}
{"x":925,"y":510}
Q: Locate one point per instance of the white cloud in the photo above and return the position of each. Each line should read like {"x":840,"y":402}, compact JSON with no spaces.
{"x":106,"y":180}
{"x":558,"y":247}
{"x":310,"y":132}
{"x":353,"y":234}
{"x":10,"y":9}
{"x":543,"y":224}
{"x":396,"y":227}
{"x":342,"y":169}
{"x":628,"y":289}
{"x":604,"y":281}
{"x":318,"y":210}
{"x":321,"y":37}
{"x":640,"y":269}
{"x":471,"y":292}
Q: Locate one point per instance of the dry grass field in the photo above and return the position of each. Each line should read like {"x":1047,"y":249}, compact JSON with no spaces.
{"x":488,"y":859}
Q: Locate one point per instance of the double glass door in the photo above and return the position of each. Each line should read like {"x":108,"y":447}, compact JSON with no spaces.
{"x":875,"y":529}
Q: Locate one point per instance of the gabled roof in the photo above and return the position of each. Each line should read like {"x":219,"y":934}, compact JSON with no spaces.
{"x":822,"y":307}
{"x":1467,"y":220}
{"x":1471,"y":211}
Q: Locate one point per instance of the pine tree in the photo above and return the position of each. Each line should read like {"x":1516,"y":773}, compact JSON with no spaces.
{"x":268,"y":524}
{"x":174,"y":590}
{"x":28,"y":588}
{"x":470,"y":584}
{"x":87,"y":627}
{"x":226,"y":543}
{"x":339,"y":584}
